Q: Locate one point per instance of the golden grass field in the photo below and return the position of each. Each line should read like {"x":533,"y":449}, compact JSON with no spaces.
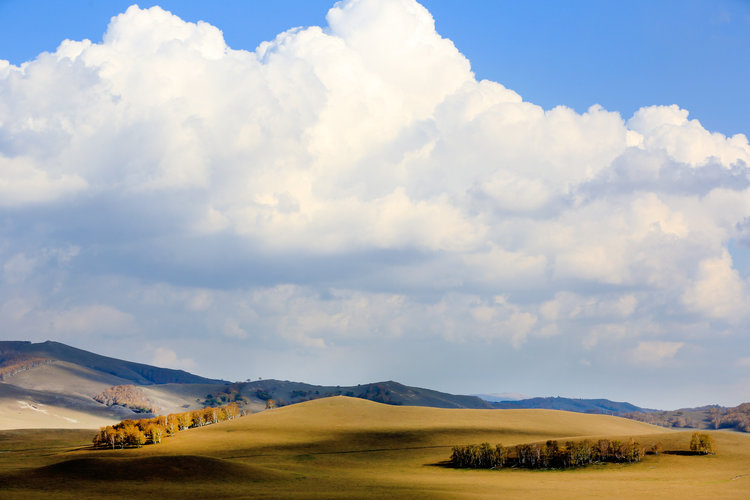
{"x":351,"y":448}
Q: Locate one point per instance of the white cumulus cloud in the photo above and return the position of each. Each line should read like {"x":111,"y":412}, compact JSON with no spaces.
{"x":352,"y":182}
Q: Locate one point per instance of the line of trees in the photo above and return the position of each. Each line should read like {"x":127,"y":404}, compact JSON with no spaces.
{"x":136,"y":433}
{"x":17,"y":363}
{"x":550,"y":455}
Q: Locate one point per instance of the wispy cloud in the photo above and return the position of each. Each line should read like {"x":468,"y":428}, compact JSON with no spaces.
{"x":167,"y":358}
{"x":655,"y":351}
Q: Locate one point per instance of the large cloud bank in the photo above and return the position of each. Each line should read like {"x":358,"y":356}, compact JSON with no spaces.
{"x":353,"y":185}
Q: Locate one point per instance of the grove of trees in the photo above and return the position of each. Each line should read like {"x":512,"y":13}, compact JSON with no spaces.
{"x":550,"y":455}
{"x":136,"y":433}
{"x":553,"y":455}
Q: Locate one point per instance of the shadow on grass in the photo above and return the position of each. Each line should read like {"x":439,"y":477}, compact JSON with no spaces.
{"x":685,"y":453}
{"x":445,"y":464}
{"x":174,"y":468}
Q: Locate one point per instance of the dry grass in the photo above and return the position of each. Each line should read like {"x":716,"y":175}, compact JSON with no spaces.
{"x":176,"y":398}
{"x":24,"y":413}
{"x":350,"y":448}
{"x":65,"y":378}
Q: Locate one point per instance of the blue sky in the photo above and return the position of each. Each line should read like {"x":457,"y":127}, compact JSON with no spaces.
{"x":351,"y":203}
{"x":622,"y":55}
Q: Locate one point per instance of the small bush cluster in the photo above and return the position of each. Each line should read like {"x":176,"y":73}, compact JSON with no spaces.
{"x":550,"y":455}
{"x":136,"y":433}
{"x":702,"y":444}
{"x":128,"y":396}
{"x":263,"y":395}
{"x":228,"y":395}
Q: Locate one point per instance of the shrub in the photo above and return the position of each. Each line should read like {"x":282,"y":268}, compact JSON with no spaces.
{"x":702,"y":444}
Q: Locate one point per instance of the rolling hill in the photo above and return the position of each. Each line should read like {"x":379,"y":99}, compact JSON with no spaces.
{"x":343,"y":447}
{"x":50,"y":384}
{"x":17,"y":356}
{"x":704,"y":417}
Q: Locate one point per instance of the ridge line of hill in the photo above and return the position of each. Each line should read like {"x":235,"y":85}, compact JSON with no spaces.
{"x":139,"y":373}
{"x":52,"y":373}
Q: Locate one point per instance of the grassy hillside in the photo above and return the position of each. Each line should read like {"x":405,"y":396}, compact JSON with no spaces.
{"x":705,"y":417}
{"x":63,"y":377}
{"x":52,"y":385}
{"x":68,"y":379}
{"x":351,"y":448}
{"x":25,"y":408}
{"x":130,"y":372}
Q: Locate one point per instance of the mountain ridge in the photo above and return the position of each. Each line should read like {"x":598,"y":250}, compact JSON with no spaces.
{"x":139,"y":373}
{"x":50,"y":377}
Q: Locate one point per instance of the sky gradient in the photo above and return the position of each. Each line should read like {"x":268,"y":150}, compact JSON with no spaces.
{"x":533,"y":197}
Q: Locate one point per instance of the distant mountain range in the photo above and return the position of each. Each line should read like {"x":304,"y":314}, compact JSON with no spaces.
{"x":51,"y":384}
{"x":502,"y":396}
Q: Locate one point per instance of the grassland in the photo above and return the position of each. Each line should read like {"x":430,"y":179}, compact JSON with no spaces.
{"x":21,"y":409}
{"x":350,"y":448}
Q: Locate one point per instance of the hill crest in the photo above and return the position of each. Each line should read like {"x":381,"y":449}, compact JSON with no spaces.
{"x":137,"y":373}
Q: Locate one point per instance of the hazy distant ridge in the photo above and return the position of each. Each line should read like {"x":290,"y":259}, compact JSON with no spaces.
{"x":389,"y":392}
{"x":570,"y":404}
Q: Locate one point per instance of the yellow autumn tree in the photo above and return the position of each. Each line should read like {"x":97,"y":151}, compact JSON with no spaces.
{"x":702,"y":444}
{"x":154,"y":433}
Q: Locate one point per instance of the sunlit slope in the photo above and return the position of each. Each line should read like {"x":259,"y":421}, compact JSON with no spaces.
{"x":176,"y":398}
{"x":22,"y":415}
{"x":66,"y":378}
{"x":52,"y":385}
{"x":137,"y":373}
{"x":28,"y":409}
{"x":57,"y":395}
{"x":342,"y":423}
{"x":351,"y":448}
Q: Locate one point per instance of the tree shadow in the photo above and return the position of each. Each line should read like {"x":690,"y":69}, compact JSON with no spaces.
{"x":684,"y":453}
{"x":444,"y":464}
